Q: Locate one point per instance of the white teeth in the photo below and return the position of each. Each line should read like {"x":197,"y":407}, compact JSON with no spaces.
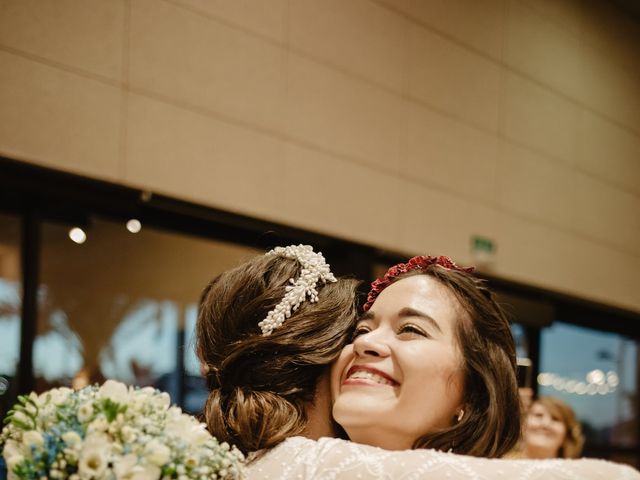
{"x":367,"y":375}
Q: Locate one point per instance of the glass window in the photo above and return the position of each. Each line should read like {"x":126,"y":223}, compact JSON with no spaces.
{"x":122,"y":305}
{"x":594,"y":372}
{"x":10,"y":306}
{"x":520,"y":338}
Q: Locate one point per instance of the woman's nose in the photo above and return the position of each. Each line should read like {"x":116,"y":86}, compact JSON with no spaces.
{"x":541,"y":420}
{"x":372,"y":344}
{"x":546,"y":421}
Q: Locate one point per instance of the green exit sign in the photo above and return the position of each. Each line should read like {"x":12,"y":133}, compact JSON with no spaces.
{"x":483,"y":250}
{"x":482,"y":244}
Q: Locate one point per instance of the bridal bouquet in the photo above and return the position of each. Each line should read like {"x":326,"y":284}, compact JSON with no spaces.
{"x":111,"y":432}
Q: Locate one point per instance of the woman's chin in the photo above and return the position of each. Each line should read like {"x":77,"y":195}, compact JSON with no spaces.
{"x":364,"y":406}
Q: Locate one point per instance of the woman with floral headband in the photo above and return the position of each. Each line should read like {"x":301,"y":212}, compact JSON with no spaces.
{"x":268,"y":330}
{"x":430,"y":330}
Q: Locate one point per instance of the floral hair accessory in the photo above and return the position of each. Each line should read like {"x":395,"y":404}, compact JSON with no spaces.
{"x":314,"y":270}
{"x":420,"y":262}
{"x":110,"y":432}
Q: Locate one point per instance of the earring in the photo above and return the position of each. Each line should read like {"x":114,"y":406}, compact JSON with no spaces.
{"x":460,"y":415}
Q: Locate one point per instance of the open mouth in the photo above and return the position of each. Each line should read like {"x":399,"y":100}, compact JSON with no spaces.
{"x":361,"y":375}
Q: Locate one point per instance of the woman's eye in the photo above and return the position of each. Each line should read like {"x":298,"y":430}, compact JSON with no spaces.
{"x":360,"y":331}
{"x":413,"y":330}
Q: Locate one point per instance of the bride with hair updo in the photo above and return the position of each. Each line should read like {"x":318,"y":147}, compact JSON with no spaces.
{"x":423,"y":383}
{"x":267,"y":384}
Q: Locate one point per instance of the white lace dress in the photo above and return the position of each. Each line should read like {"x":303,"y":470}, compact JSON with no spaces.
{"x":331,"y":458}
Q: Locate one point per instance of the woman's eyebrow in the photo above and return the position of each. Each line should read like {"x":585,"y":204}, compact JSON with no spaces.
{"x":412,"y":312}
{"x":366,"y":316}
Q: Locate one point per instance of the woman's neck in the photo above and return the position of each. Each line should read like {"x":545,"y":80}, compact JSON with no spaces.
{"x":539,"y":453}
{"x":319,"y":420}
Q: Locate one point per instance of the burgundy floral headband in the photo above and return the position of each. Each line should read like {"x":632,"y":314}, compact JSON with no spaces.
{"x":416,"y":263}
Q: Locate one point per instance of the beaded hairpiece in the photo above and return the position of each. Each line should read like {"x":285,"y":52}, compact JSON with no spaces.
{"x":314,"y":269}
{"x":416,"y":263}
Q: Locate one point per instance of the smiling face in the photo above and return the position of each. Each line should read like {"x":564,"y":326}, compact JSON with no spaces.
{"x":402,"y":376}
{"x":544,"y":432}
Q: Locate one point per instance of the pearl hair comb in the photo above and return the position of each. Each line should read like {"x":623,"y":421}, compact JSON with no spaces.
{"x":314,"y":270}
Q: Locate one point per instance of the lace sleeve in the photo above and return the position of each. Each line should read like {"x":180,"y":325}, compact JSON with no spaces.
{"x":330,"y":458}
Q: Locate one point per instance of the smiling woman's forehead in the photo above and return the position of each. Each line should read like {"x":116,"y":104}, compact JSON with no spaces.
{"x":419,"y":296}
{"x":418,"y":292}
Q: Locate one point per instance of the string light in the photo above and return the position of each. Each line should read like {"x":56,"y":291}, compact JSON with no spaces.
{"x":597,"y":382}
{"x":77,"y":235}
{"x":134,"y":225}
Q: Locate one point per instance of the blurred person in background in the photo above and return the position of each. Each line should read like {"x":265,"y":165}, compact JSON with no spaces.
{"x":551,"y":430}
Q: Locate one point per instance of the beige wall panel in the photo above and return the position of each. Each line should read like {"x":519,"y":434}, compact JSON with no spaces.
{"x":331,"y":195}
{"x":356,"y":35}
{"x":182,"y":153}
{"x":610,"y":89}
{"x":452,"y":155}
{"x":541,"y":49}
{"x":58,"y":119}
{"x":453,"y":79}
{"x":567,"y":14}
{"x":193,"y":59}
{"x":336,"y":112}
{"x":608,"y":151}
{"x":85,"y":34}
{"x":438,"y":223}
{"x":606,"y":214}
{"x":540,"y":119}
{"x":266,"y":18}
{"x":536,"y":254}
{"x":477,"y":23}
{"x":536,"y":187}
{"x":613,"y":32}
{"x":615,"y":279}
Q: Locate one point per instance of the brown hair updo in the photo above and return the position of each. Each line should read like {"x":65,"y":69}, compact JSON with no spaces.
{"x":259,"y":385}
{"x":490,"y":425}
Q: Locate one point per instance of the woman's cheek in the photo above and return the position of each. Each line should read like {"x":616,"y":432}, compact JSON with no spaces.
{"x":338,"y":367}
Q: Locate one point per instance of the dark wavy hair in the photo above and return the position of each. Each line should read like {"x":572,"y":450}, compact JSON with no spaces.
{"x":491,"y":423}
{"x":260,"y":385}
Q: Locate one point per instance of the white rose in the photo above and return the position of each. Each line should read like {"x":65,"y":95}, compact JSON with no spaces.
{"x":85,"y":411}
{"x":157,"y":453}
{"x":124,"y":465}
{"x":115,"y":391}
{"x":71,"y":438}
{"x":93,"y":457}
{"x":187,"y":428}
{"x":32,"y":438}
{"x":191,"y":461}
{"x":127,"y":468}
